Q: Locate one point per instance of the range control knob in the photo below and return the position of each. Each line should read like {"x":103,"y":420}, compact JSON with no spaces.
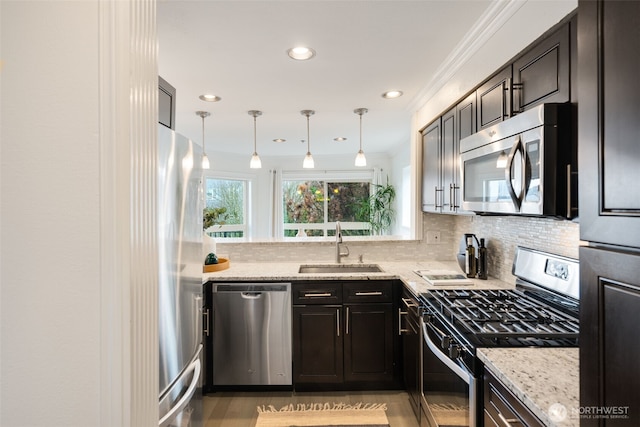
{"x":454,"y":351}
{"x":445,"y":342}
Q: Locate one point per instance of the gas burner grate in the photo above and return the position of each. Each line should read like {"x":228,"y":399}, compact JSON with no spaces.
{"x":496,"y":315}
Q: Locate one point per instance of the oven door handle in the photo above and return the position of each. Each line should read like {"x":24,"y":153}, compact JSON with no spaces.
{"x":463,"y":374}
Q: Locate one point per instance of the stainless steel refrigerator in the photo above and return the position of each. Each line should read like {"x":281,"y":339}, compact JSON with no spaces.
{"x":180,"y":279}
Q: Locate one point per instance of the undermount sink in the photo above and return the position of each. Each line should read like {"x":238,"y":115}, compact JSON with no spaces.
{"x":340,"y":268}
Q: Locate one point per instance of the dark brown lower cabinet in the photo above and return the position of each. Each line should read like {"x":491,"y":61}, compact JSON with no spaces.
{"x":503,"y":408}
{"x":350,"y":345}
{"x":609,"y":345}
{"x":317,"y":344}
{"x":368,"y":342}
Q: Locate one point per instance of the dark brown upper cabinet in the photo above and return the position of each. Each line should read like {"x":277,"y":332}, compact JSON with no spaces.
{"x":542,"y":73}
{"x":494,"y":99}
{"x":431,"y":166}
{"x":466,"y":116}
{"x":609,"y":122}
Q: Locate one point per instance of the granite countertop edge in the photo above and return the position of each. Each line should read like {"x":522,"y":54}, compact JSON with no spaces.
{"x":404,"y":271}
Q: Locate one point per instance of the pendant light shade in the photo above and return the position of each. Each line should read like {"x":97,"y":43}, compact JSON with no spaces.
{"x":308,"y":159}
{"x":205,"y":159}
{"x":361,"y":160}
{"x":255,"y":162}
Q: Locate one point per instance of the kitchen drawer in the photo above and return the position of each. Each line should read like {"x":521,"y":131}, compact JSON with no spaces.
{"x":368,"y":291}
{"x":317,"y":293}
{"x":503,"y":407}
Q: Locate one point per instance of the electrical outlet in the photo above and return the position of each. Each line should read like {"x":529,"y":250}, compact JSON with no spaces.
{"x":433,"y":237}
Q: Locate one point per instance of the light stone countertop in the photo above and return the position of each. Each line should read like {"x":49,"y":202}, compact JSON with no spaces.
{"x":391,"y":270}
{"x":546,"y":380}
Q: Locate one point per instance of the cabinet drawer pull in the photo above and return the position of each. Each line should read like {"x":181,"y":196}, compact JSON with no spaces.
{"x":409,"y":302}
{"x":508,"y":422}
{"x":368,"y":294}
{"x":316,"y":295}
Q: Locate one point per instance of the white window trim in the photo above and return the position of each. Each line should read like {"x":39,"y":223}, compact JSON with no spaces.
{"x":325,"y":176}
{"x":250,"y":181}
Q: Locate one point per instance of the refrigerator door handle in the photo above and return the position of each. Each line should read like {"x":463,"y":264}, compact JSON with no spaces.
{"x":186,"y":397}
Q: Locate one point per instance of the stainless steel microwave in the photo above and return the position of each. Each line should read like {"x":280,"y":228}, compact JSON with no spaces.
{"x":525,"y":165}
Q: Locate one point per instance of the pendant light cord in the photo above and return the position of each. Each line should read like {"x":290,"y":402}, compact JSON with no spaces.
{"x":308,"y":142}
{"x":203,"y":149}
{"x":360,"y":131}
{"x":254,"y":135}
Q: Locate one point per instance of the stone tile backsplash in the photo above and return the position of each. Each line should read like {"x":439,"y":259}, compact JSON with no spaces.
{"x":502,"y":233}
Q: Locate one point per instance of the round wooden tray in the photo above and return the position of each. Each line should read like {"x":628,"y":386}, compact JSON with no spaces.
{"x":223,"y":264}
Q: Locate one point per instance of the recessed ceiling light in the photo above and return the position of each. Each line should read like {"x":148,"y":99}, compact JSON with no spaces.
{"x":279,"y":140}
{"x":392,"y":94}
{"x":210,"y":97}
{"x":340,"y":139}
{"x":301,"y":53}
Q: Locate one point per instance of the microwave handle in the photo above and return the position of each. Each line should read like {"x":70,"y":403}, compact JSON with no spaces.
{"x":518,"y":199}
{"x":515,"y":198}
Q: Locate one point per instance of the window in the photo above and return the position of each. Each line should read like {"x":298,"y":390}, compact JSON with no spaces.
{"x":311,"y":207}
{"x":231,"y":194}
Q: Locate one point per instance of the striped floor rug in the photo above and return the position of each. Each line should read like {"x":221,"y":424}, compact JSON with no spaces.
{"x":323,"y":414}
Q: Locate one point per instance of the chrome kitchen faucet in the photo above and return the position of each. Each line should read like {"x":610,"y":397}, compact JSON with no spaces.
{"x":340,"y":254}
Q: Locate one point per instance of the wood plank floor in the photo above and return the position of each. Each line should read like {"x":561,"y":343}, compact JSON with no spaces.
{"x":238,"y":409}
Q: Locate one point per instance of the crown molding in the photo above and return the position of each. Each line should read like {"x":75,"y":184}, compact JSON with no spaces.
{"x":496,"y":15}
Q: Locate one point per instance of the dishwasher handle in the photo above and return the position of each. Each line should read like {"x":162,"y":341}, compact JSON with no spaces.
{"x":251,"y":295}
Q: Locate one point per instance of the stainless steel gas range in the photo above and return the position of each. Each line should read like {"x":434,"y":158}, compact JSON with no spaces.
{"x":541,"y":311}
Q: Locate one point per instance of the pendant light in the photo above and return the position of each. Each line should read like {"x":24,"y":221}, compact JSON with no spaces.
{"x":308,"y":159}
{"x":205,"y":159}
{"x":361,"y":160}
{"x":255,"y":162}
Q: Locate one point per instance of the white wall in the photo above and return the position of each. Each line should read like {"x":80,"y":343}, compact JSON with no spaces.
{"x":50,"y":360}
{"x":78,"y":265}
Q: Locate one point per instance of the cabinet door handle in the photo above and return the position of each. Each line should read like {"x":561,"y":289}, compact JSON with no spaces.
{"x":400,"y":314}
{"x":317,"y":295}
{"x":368,"y":293}
{"x":455,"y":196}
{"x":452,"y":202}
{"x":346,"y":322}
{"x":507,"y":110}
{"x":338,"y":322}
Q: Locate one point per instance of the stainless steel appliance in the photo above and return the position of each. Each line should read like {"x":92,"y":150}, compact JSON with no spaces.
{"x":179,"y":225}
{"x":523,"y":165}
{"x":251,"y":334}
{"x":541,"y":311}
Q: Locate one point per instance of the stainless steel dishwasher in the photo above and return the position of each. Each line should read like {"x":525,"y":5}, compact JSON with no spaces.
{"x":251,"y":334}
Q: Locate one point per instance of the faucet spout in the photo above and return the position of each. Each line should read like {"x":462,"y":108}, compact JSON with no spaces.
{"x":339,"y":253}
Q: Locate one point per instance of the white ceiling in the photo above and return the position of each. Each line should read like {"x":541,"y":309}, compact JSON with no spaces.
{"x":237,"y":50}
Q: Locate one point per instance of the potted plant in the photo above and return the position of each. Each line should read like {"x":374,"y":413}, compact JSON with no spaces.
{"x":378,"y":208}
{"x":211,"y":217}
